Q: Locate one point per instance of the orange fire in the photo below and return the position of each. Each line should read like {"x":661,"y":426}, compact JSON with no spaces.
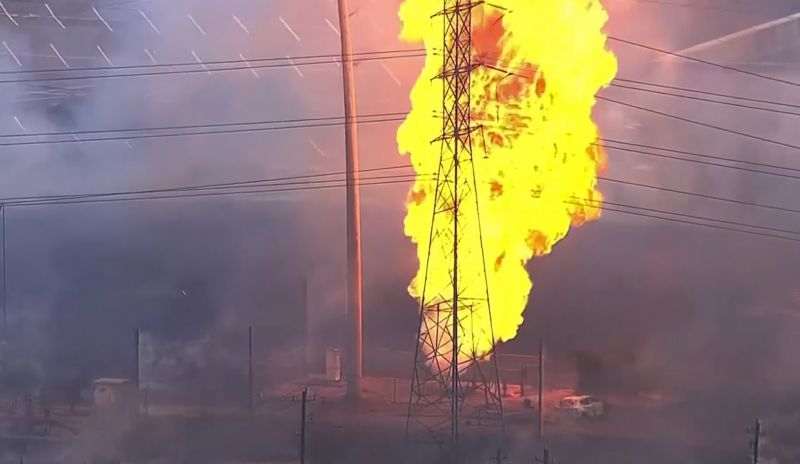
{"x":535,"y":157}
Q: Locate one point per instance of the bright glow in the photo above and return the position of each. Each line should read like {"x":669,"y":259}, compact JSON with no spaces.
{"x":536,"y":158}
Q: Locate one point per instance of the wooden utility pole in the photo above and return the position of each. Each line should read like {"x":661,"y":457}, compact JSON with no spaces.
{"x":354,"y":355}
{"x":303,"y":427}
{"x":756,"y":443}
{"x":541,"y":388}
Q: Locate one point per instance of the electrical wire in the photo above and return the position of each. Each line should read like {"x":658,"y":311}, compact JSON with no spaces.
{"x":703,"y":156}
{"x":330,"y":121}
{"x":208,"y":70}
{"x":239,"y":185}
{"x":700,"y":123}
{"x":196,"y":126}
{"x":361,"y":120}
{"x":697,"y":161}
{"x":699,"y":195}
{"x":705,"y":92}
{"x":648,"y":212}
{"x":707,"y":100}
{"x":314,"y":178}
{"x":332,"y":56}
{"x":704,"y":218}
{"x":202,"y":191}
{"x":705,"y":62}
{"x":699,"y":224}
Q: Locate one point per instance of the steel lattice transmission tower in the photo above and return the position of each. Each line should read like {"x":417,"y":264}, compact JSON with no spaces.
{"x":470,"y":393}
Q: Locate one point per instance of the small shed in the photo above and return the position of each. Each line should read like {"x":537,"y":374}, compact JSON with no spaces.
{"x":115,"y":399}
{"x":113,"y":392}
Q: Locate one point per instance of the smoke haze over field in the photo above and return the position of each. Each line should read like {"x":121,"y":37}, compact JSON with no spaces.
{"x":657,"y":305}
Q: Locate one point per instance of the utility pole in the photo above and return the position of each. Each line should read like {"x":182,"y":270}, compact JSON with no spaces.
{"x":5,"y":310}
{"x":250,"y":369}
{"x":541,"y":388}
{"x":304,"y":399}
{"x":354,"y":356}
{"x":4,"y":340}
{"x":303,"y":427}
{"x":756,"y":442}
{"x":545,"y":459}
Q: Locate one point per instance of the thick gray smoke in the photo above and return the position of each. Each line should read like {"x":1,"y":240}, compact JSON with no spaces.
{"x":84,"y":276}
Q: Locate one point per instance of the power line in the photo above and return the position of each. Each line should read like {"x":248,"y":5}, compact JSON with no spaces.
{"x":704,"y":155}
{"x":333,"y":56}
{"x":699,"y":224}
{"x":196,"y":187}
{"x":248,"y":67}
{"x":195,"y":126}
{"x":699,"y":195}
{"x":201,"y":194}
{"x":698,"y":161}
{"x":704,"y":218}
{"x":196,"y":192}
{"x":700,"y":123}
{"x":705,"y":92}
{"x":321,"y":183}
{"x":377,"y":118}
{"x":707,"y":100}
{"x":361,"y":120}
{"x":705,"y":62}
{"x":315,"y":179}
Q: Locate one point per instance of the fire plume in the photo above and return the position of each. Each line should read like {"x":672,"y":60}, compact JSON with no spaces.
{"x":536,"y":156}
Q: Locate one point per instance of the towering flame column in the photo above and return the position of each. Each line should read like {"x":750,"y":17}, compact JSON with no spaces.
{"x":354,"y":352}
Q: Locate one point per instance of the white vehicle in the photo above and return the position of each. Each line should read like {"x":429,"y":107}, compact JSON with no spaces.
{"x":581,"y":406}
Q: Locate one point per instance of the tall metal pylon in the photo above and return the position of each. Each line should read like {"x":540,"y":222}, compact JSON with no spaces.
{"x":452,"y":383}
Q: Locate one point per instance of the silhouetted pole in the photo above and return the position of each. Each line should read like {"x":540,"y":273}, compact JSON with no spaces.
{"x":522,"y":381}
{"x":756,"y":441}
{"x":303,"y":427}
{"x":250,"y":369}
{"x":354,"y":355}
{"x":4,"y":340}
{"x":5,"y":310}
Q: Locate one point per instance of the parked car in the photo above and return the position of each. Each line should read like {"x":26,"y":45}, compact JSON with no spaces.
{"x":581,"y":406}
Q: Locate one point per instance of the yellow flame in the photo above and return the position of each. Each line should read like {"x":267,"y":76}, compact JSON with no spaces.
{"x":536,"y":157}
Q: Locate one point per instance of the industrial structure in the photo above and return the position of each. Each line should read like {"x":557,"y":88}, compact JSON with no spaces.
{"x":445,"y":372}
